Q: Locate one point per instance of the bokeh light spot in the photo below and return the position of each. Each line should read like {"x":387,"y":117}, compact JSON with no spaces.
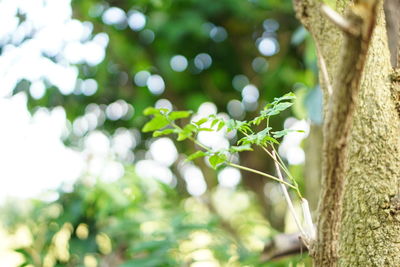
{"x":178,"y":63}
{"x":229,"y":177}
{"x":240,"y":81}
{"x":268,"y":46}
{"x":136,"y":20}
{"x":202,"y":61}
{"x":218,"y":34}
{"x":236,"y":109}
{"x":156,"y":84}
{"x":270,"y":25}
{"x":163,"y":103}
{"x":164,"y":151}
{"x":89,"y":87}
{"x":250,"y":93}
{"x":37,"y":89}
{"x":141,"y":78}
{"x":113,"y":16}
{"x":147,"y":36}
{"x":259,"y":64}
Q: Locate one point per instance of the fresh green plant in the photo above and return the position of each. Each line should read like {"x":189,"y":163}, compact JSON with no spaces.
{"x":163,"y":122}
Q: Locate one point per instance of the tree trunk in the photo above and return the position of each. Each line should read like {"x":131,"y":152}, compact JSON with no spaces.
{"x":358,"y":222}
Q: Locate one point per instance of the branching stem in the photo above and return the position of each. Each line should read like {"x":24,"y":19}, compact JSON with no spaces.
{"x":283,"y":167}
{"x":237,"y":165}
{"x":279,"y":161}
{"x":288,"y":200}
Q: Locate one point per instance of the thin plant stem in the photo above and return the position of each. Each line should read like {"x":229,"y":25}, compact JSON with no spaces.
{"x":280,"y":159}
{"x":288,"y":200}
{"x":283,"y":167}
{"x":199,"y":144}
{"x":260,"y":173}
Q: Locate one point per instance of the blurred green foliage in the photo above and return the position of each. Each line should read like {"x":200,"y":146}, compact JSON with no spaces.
{"x":183,"y":28}
{"x":140,"y":222}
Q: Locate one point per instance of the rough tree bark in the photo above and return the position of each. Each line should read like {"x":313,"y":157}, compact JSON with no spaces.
{"x":358,"y":222}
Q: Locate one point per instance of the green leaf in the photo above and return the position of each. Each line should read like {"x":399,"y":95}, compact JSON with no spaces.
{"x":246,"y":147}
{"x":26,"y":254}
{"x":201,"y":121}
{"x":221,"y":124}
{"x":260,"y":138}
{"x":279,"y":134}
{"x":257,"y":120}
{"x":264,"y":132}
{"x":190,"y":128}
{"x":250,"y":139}
{"x":270,"y":139}
{"x":183,"y":135}
{"x":187,"y":132}
{"x":174,"y":115}
{"x":156,"y":123}
{"x":151,"y":111}
{"x":241,"y":126}
{"x":155,"y":111}
{"x":163,"y":132}
{"x":276,"y":109}
{"x":269,"y":112}
{"x":197,"y":154}
{"x":264,"y":136}
{"x":289,"y":96}
{"x":282,"y":106}
{"x":206,"y":130}
{"x":230,"y":125}
{"x":216,"y":160}
{"x":214,"y":122}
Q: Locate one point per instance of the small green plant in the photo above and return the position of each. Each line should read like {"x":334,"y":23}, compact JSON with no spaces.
{"x":163,"y":122}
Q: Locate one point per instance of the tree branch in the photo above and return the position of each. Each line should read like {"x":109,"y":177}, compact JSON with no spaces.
{"x":283,"y":245}
{"x":337,"y":19}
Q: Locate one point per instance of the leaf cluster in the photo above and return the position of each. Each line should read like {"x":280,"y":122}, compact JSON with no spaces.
{"x":163,"y":123}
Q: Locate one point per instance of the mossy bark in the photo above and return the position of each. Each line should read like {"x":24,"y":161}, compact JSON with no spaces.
{"x":358,"y":224}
